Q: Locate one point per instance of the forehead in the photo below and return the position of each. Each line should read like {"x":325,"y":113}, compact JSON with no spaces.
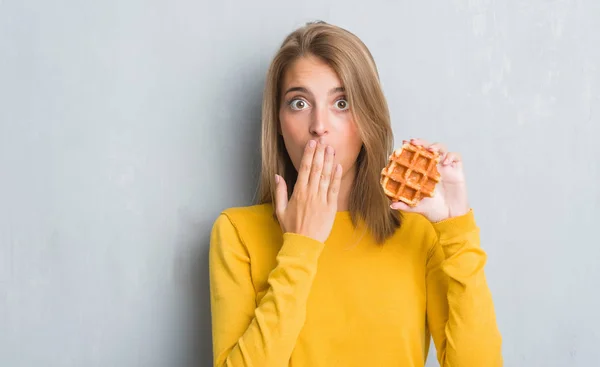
{"x":310,"y":72}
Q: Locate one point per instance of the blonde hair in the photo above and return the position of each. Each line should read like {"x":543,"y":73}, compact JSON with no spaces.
{"x":346,"y":54}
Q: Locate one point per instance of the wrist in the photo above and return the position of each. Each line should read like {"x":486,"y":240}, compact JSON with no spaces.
{"x":458,"y":202}
{"x":459,"y":211}
{"x":438,"y":217}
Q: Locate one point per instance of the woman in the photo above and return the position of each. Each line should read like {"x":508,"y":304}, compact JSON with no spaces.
{"x":323,"y":271}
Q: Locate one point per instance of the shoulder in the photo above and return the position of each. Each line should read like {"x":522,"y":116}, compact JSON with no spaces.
{"x":246,"y":221}
{"x":416,"y":223}
{"x":261,"y":214}
{"x":417,"y":229}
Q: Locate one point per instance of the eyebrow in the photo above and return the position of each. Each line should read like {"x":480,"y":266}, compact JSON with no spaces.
{"x":304,"y":90}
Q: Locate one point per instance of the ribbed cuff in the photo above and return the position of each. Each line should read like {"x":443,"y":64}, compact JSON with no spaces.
{"x":298,"y":245}
{"x":456,"y":226}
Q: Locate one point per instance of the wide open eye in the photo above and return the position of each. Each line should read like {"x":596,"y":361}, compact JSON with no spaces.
{"x":342,"y":104}
{"x":298,"y":104}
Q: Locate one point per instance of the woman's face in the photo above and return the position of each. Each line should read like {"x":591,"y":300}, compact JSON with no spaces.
{"x":314,"y":106}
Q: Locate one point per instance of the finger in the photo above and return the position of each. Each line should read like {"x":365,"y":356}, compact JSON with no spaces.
{"x":334,"y":188}
{"x":451,"y":158}
{"x":306,"y":163}
{"x":421,"y":142}
{"x":281,"y":196}
{"x":399,"y":205}
{"x":326,"y":174}
{"x":438,"y":148}
{"x":316,"y":169}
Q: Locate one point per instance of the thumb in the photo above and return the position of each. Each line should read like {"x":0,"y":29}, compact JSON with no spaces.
{"x":399,"y":205}
{"x":281,"y":197}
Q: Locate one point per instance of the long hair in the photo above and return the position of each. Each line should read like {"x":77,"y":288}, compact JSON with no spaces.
{"x":347,"y":55}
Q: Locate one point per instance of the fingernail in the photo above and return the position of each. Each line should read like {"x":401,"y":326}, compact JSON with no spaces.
{"x":312,"y":143}
{"x":276,"y":178}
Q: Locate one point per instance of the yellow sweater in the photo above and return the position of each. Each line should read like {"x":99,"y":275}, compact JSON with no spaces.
{"x":288,"y":300}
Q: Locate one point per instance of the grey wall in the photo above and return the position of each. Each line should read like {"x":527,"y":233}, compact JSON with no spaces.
{"x":126,"y":126}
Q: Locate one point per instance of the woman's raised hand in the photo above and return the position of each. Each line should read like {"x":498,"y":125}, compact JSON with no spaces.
{"x":450,"y":196}
{"x":312,"y":207}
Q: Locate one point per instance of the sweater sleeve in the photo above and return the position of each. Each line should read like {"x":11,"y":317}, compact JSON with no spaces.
{"x":246,"y":334}
{"x":460,"y":310}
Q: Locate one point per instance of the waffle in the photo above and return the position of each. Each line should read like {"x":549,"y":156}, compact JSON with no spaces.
{"x":411,"y":174}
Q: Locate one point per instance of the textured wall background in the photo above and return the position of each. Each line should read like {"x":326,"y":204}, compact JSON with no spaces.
{"x":126,"y":126}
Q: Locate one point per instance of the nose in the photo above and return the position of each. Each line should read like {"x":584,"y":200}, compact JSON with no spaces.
{"x":320,"y":122}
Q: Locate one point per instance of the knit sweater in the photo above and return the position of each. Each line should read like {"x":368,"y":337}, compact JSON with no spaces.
{"x":284,"y":299}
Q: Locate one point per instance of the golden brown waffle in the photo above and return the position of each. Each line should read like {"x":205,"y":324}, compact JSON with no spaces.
{"x":411,"y":174}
